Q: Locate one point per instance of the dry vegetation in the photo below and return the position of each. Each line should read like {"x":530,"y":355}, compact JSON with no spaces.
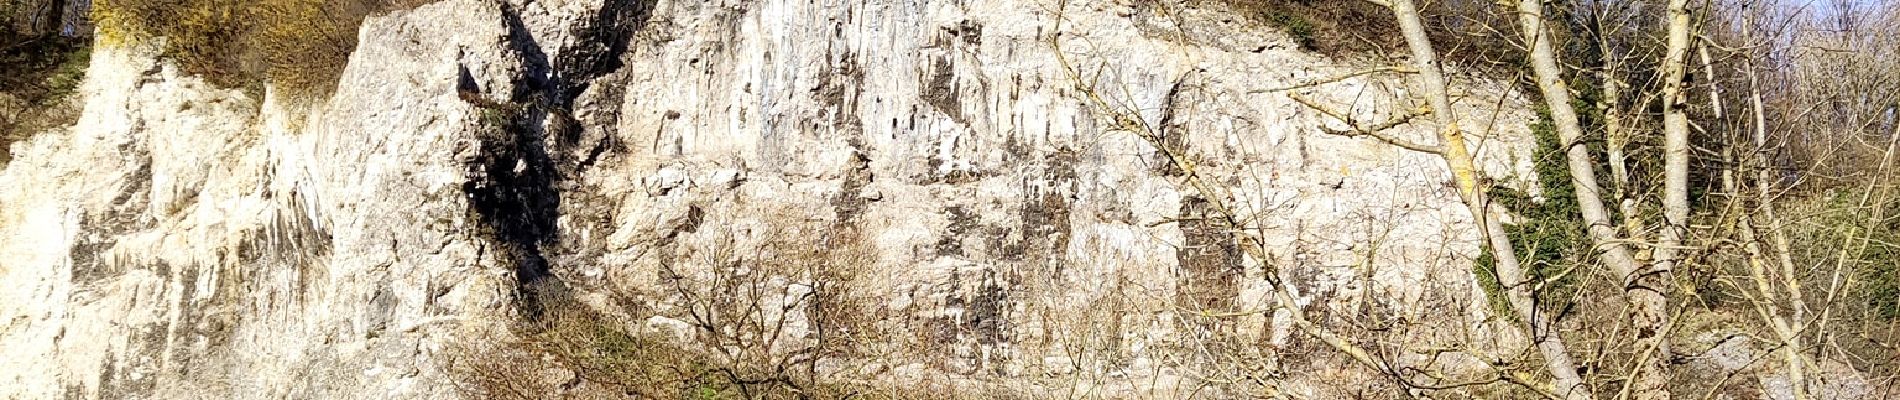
{"x":297,"y":45}
{"x":1326,"y":26}
{"x":1469,"y":32}
{"x":736,"y":320}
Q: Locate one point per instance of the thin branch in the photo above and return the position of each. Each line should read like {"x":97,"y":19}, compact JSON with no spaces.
{"x":1375,"y":131}
{"x":1379,"y":70}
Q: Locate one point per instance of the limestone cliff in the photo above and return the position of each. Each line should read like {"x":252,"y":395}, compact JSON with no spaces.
{"x":480,"y":158}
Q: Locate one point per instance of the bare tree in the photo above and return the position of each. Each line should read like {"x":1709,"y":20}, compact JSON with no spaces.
{"x":1452,"y":148}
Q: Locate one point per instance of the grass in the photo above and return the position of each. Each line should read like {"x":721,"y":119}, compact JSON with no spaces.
{"x":1295,"y":25}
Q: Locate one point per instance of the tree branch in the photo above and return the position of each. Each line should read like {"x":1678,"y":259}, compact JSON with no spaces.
{"x":1395,"y":70}
{"x":1375,"y":131}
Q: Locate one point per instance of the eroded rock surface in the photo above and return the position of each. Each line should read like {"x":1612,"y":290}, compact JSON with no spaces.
{"x":186,"y":241}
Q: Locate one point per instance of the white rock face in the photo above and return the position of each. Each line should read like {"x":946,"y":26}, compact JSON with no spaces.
{"x":185,"y":241}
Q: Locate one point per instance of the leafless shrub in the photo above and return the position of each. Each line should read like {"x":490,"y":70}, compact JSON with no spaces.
{"x":779,"y":315}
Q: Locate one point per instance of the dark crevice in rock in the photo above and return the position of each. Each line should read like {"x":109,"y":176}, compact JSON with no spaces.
{"x":511,"y":188}
{"x":1173,"y":132}
{"x":600,"y":46}
{"x":514,"y":181}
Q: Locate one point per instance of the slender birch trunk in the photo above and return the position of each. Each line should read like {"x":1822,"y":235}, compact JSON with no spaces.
{"x":1511,"y":276}
{"x":1616,"y":138}
{"x":1769,"y":292}
{"x":1647,"y":297}
{"x":1675,"y":188}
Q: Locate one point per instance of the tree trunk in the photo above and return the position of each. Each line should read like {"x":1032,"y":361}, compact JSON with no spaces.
{"x":1675,"y":181}
{"x":1648,"y":301}
{"x":1511,"y":277}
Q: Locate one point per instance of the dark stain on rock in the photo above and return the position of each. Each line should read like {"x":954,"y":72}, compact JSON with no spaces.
{"x":936,"y":171}
{"x":940,"y":89}
{"x":99,"y":231}
{"x":839,"y":90}
{"x":382,"y":308}
{"x":132,"y":372}
{"x":1046,"y":202}
{"x":1210,"y":260}
{"x":188,"y":312}
{"x":967,"y":31}
{"x":513,"y":180}
{"x":988,"y":311}
{"x":983,"y":328}
{"x":850,"y":201}
{"x":290,"y":239}
{"x":1174,"y":133}
{"x":962,"y":225}
{"x":695,"y":217}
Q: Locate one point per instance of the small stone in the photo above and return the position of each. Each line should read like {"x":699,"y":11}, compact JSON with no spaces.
{"x":675,"y":329}
{"x":726,"y":179}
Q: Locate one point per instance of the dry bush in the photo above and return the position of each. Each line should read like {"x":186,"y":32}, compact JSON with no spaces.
{"x":778,"y":315}
{"x":1472,"y":33}
{"x":1327,"y":26}
{"x":299,"y":45}
{"x":576,"y":347}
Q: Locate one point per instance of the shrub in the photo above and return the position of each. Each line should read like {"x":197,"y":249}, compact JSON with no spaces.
{"x":298,"y":45}
{"x":1548,"y":231}
{"x":1295,"y":25}
{"x":737,"y":343}
{"x":1467,"y":33}
{"x":1329,"y":27}
{"x":1839,"y":230}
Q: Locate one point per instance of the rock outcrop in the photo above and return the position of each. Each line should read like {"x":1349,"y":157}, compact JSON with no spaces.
{"x":481,"y":158}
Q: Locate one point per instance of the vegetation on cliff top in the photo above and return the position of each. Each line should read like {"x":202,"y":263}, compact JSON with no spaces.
{"x":296,"y":45}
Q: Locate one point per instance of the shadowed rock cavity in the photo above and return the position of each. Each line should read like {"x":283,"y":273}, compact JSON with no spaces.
{"x":513,"y":180}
